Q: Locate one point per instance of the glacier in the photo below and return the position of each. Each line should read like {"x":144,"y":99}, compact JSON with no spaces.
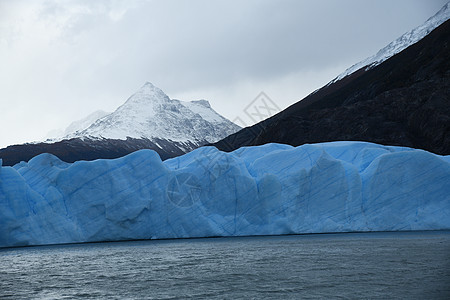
{"x":263,"y":190}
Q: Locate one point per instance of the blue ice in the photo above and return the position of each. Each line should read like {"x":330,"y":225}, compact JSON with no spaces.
{"x":263,"y":190}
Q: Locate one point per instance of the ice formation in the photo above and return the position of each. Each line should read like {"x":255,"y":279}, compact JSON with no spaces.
{"x":264,"y":190}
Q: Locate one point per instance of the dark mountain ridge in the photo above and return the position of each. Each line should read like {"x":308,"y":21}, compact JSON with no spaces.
{"x":404,"y":101}
{"x":76,"y":149}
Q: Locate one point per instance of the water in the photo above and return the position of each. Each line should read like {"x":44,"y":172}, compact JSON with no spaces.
{"x":413,"y":265}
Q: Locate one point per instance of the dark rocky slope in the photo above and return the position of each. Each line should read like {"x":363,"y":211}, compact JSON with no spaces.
{"x":78,"y":149}
{"x":404,"y":101}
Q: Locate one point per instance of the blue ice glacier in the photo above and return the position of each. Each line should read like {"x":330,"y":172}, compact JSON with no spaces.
{"x":264,"y":190}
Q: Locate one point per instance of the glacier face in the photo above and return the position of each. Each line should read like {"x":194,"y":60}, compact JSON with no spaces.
{"x":263,"y":190}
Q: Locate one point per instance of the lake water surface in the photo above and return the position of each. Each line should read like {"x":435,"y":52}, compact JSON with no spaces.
{"x":410,"y":265}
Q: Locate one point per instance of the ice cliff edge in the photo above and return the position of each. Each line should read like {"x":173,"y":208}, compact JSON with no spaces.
{"x":264,"y":190}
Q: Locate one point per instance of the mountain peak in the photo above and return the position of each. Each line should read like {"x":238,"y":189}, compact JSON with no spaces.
{"x":150,"y":87}
{"x":150,"y":114}
{"x":148,"y":83}
{"x":147,"y":95}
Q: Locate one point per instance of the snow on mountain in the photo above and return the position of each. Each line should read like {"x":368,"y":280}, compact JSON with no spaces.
{"x":78,"y":125}
{"x":264,"y":190}
{"x":85,"y":123}
{"x":149,"y":119}
{"x":403,"y":42}
{"x":150,"y":114}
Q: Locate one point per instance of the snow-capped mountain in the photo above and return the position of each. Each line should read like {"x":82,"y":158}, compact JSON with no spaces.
{"x":149,"y":119}
{"x":400,"y":44}
{"x":150,"y":114}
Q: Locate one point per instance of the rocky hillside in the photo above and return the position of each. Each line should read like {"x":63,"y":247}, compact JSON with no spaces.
{"x":404,"y":100}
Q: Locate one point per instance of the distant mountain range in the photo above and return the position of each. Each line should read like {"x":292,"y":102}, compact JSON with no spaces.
{"x":149,"y":119}
{"x":400,"y":96}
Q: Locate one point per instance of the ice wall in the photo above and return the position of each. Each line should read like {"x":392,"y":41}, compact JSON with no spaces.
{"x":270,"y":189}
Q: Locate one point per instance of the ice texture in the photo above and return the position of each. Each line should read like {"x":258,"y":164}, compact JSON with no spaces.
{"x":265,"y":190}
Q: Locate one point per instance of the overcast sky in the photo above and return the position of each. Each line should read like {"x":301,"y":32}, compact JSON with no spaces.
{"x":62,"y":60}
